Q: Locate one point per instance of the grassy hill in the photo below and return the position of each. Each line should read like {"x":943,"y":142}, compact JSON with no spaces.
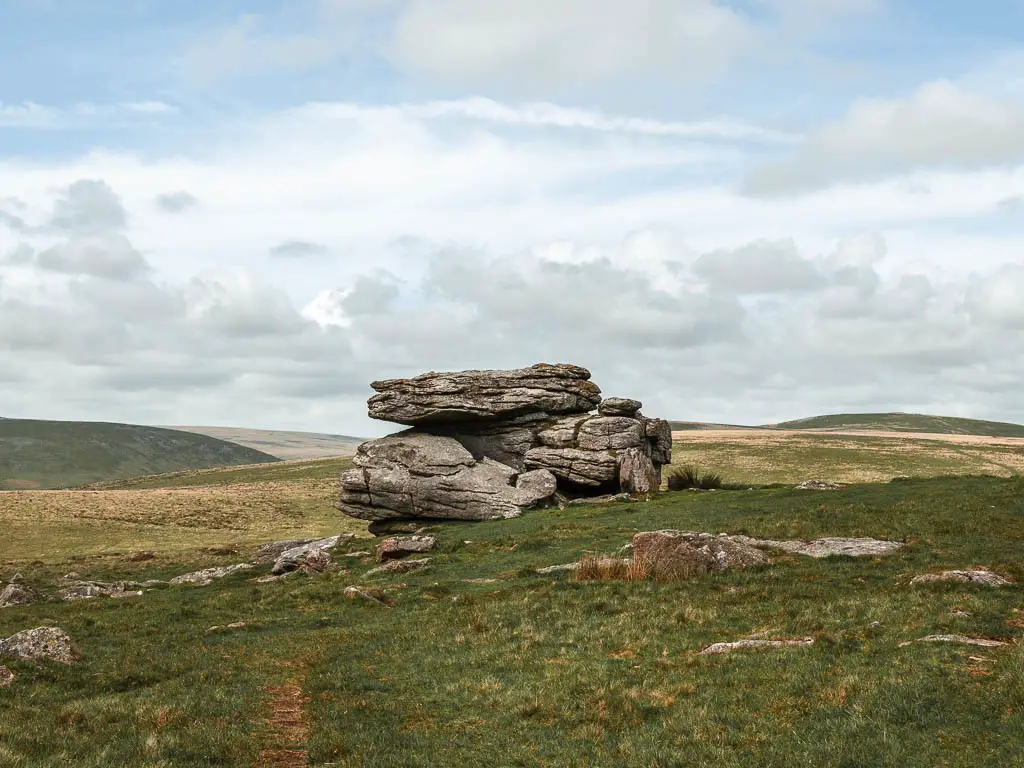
{"x":906,"y":422}
{"x":61,"y":454}
{"x":283,"y":444}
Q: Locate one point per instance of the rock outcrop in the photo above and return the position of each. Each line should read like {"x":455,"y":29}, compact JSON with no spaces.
{"x":489,"y":445}
{"x":18,"y":593}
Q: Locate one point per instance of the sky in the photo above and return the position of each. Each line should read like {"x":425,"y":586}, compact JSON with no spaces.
{"x":229,"y":213}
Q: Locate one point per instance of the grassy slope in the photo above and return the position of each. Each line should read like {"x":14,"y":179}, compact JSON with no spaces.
{"x":533,"y":670}
{"x":907,"y":422}
{"x":57,"y":454}
{"x":776,"y":457}
{"x":283,"y":444}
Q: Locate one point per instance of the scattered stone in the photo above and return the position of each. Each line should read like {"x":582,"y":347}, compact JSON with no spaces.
{"x":6,"y":676}
{"x":206,"y":576}
{"x":268,"y":552}
{"x":747,"y":645}
{"x":606,"y":499}
{"x":960,"y":639}
{"x":233,"y":625}
{"x":557,"y":568}
{"x":361,"y":553}
{"x":399,"y":566}
{"x":397,"y":547}
{"x":41,"y":643}
{"x":315,"y":562}
{"x":89,"y":590}
{"x":18,"y":593}
{"x":293,"y":559}
{"x":269,"y":578}
{"x":679,"y":554}
{"x":17,"y":579}
{"x":368,"y":593}
{"x":388,"y":527}
{"x":981,"y":577}
{"x":619,"y":406}
{"x":819,"y":485}
{"x":481,"y":581}
{"x":139,"y":557}
{"x":467,"y":396}
{"x":827,"y":547}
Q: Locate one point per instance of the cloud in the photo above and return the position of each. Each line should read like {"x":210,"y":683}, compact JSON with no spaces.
{"x":760,"y":267}
{"x":941,"y":125}
{"x":35,"y":116}
{"x":88,"y":206}
{"x":176,"y":202}
{"x":232,"y":303}
{"x":568,"y":43}
{"x":297,"y":249}
{"x":108,"y":255}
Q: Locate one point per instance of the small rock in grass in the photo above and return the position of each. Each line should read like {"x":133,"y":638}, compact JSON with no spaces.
{"x":233,"y":625}
{"x":6,"y":676}
{"x":557,"y":568}
{"x":206,"y":576}
{"x":317,"y":561}
{"x":819,"y":485}
{"x":41,"y":643}
{"x":384,"y":527}
{"x":745,"y":645}
{"x":960,"y":639}
{"x":678,"y":554}
{"x":362,"y":553}
{"x":399,"y":566}
{"x":397,"y":547}
{"x":981,"y":577}
{"x":17,"y":593}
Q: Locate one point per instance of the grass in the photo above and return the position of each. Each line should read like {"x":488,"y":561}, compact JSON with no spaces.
{"x":765,"y":457}
{"x":551,"y":670}
{"x":692,"y":476}
{"x":907,"y":422}
{"x":61,"y":454}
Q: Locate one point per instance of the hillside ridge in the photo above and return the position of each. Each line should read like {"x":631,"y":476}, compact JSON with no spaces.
{"x":36,"y":453}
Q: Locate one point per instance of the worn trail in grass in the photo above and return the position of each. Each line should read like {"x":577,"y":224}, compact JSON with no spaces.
{"x":536,"y":669}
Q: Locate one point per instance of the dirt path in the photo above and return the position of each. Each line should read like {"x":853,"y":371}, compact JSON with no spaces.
{"x":289,"y":728}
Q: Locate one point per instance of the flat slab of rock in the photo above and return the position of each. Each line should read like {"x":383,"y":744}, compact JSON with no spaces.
{"x":274,"y":549}
{"x":19,"y":593}
{"x":959,"y":639}
{"x":417,"y":475}
{"x":983,"y":578}
{"x":467,"y":396}
{"x":587,"y":468}
{"x":558,"y":568}
{"x":6,"y":676}
{"x":673,"y":554}
{"x":399,"y":566}
{"x":206,"y":576}
{"x":757,"y":645}
{"x":295,"y":558}
{"x":368,"y":593}
{"x":397,"y":547}
{"x":41,"y":643}
{"x":619,"y":406}
{"x":827,"y":547}
{"x":90,"y":590}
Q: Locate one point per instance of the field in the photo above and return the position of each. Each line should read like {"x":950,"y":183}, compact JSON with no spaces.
{"x":906,"y":422}
{"x":757,"y":456}
{"x":480,"y":660}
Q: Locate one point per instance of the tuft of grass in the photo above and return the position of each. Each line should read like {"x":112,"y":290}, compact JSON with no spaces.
{"x":692,"y":476}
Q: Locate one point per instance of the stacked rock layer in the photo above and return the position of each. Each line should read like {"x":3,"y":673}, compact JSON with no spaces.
{"x":487,"y":445}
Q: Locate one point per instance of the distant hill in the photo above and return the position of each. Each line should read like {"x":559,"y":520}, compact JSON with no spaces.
{"x":683,"y":426}
{"x":62,"y":454}
{"x":904,"y":422}
{"x":284,"y":445}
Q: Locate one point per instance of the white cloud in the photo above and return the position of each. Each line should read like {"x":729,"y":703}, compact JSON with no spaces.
{"x":941,"y":125}
{"x":569,"y":42}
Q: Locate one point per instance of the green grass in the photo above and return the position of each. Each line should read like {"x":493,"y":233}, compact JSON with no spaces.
{"x":61,"y":454}
{"x":543,"y":670}
{"x":907,"y":422}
